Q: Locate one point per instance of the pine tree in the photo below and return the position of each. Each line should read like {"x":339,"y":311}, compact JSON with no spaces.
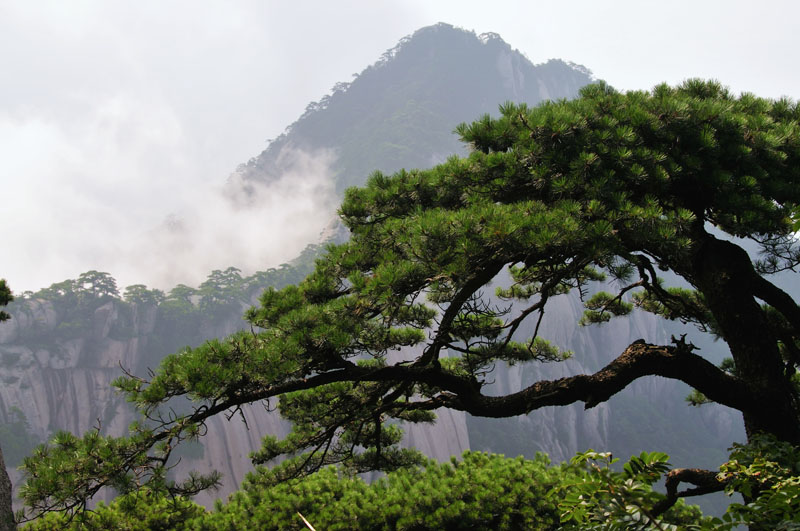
{"x":97,"y":284}
{"x":605,"y":190}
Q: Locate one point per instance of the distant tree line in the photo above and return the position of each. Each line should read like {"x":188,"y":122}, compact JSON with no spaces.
{"x":186,"y":315}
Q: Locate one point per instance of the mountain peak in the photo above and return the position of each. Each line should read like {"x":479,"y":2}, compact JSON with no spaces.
{"x":406,"y":104}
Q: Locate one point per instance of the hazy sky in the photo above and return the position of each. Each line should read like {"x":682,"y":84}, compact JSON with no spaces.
{"x":115,"y":115}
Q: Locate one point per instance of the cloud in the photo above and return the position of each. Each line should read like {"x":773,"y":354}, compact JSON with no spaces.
{"x":114,"y":117}
{"x":95,"y":194}
{"x":219,"y":228}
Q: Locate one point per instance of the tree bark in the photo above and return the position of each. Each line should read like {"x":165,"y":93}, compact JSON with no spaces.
{"x":705,"y":482}
{"x":725,"y":275}
{"x":463,"y":393}
{"x":6,"y":508}
{"x":638,"y":360}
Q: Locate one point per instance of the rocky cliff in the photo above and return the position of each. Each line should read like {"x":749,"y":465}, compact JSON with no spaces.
{"x":650,"y":414}
{"x":56,"y":379}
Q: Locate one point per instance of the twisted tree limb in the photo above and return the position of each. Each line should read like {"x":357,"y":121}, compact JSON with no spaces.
{"x":639,"y":359}
{"x":705,"y":482}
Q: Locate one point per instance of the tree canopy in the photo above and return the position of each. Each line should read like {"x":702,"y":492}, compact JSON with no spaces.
{"x":596,"y":196}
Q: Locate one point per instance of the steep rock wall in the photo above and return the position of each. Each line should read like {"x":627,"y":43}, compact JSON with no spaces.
{"x":651,"y":414}
{"x":64,"y":383}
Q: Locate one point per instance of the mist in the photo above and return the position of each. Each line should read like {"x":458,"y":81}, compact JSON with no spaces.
{"x":119,"y":193}
{"x":120,"y":125}
{"x":120,"y":122}
{"x":251,"y":227}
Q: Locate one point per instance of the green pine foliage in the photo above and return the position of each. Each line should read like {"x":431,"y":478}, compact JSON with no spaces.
{"x":140,"y":511}
{"x":478,"y":491}
{"x":139,"y":294}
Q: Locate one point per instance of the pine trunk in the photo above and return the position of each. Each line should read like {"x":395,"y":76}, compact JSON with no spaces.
{"x":6,"y":509}
{"x":725,"y":275}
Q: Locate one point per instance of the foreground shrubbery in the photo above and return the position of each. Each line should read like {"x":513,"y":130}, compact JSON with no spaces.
{"x":140,"y":511}
{"x":480,"y":491}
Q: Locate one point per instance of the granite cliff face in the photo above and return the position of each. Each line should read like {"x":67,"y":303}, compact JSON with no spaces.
{"x":65,"y":384}
{"x":650,"y":414}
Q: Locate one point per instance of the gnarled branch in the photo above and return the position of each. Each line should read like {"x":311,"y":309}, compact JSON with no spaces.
{"x":638,"y":360}
{"x":704,"y":481}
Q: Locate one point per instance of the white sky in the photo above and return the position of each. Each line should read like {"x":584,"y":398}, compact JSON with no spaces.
{"x":115,"y":114}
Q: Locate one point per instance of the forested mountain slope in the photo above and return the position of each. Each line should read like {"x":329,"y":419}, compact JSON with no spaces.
{"x":401,"y":111}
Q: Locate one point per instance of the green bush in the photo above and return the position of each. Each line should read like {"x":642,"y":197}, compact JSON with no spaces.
{"x":478,"y":491}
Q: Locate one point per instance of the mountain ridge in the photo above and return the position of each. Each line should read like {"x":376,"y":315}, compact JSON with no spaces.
{"x":431,"y":81}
